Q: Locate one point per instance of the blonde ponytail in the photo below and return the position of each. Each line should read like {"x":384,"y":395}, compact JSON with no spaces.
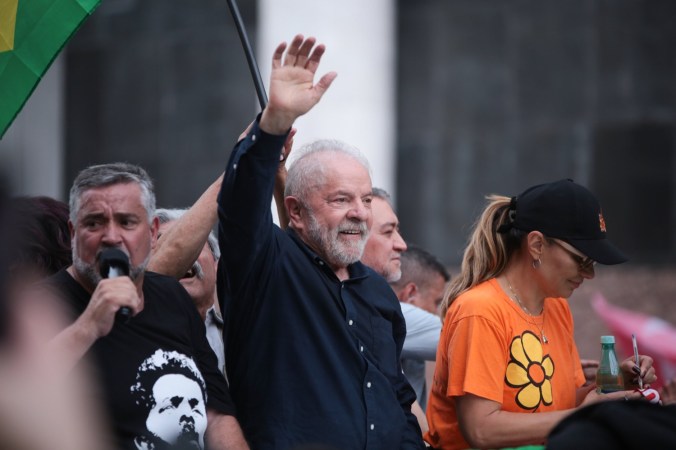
{"x":488,"y":250}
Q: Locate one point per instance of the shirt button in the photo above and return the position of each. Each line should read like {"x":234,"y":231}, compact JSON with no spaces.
{"x":368,"y":385}
{"x":361,"y":348}
{"x":350,"y":322}
{"x":321,"y":263}
{"x":234,"y":166}
{"x":253,"y":137}
{"x":372,"y":426}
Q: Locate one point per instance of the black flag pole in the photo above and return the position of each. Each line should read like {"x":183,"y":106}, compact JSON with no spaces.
{"x":251,"y":59}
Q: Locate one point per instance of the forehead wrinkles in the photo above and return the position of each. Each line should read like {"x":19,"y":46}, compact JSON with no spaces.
{"x":347,"y":174}
{"x":126,"y":200}
{"x":136,"y":194}
{"x":324,"y":170}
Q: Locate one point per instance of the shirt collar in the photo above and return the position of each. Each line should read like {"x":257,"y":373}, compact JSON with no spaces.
{"x":214,"y":315}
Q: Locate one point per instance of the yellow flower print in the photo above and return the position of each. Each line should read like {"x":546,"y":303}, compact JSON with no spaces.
{"x":530,"y":371}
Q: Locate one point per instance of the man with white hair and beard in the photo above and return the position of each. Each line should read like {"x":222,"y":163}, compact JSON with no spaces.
{"x":200,"y":282}
{"x":112,"y":207}
{"x":313,"y":336}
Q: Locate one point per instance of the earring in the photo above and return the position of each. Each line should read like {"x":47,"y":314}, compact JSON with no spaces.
{"x":537,"y":263}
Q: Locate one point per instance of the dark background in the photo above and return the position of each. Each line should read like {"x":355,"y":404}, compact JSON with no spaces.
{"x":163,"y":84}
{"x":493,"y":96}
{"x":520,"y":92}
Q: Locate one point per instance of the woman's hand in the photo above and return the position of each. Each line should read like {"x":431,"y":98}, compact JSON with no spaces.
{"x":595,"y":397}
{"x":631,"y":371}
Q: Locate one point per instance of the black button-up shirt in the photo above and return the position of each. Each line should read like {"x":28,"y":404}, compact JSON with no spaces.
{"x":310,"y":358}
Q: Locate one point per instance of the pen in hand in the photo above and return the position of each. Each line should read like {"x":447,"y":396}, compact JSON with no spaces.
{"x":633,"y":342}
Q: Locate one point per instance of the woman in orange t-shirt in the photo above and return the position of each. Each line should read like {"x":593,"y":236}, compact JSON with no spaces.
{"x":507,"y":349}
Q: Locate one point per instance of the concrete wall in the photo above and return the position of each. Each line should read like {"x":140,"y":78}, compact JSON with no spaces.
{"x":361,"y":47}
{"x":495,"y":96}
{"x":32,"y":149}
{"x":492,"y":96}
{"x":163,"y":84}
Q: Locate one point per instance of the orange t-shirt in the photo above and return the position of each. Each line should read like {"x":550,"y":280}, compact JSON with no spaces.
{"x":491,"y":348}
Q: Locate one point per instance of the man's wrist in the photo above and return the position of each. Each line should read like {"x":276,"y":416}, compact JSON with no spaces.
{"x":83,"y":331}
{"x":276,"y":122}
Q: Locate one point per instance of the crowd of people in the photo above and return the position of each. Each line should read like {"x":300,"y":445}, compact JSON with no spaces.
{"x":320,"y":333}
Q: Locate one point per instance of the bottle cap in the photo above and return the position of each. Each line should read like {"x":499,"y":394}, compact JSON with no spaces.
{"x":607,"y":339}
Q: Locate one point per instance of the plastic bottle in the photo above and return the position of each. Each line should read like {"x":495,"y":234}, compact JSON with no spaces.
{"x":609,"y":376}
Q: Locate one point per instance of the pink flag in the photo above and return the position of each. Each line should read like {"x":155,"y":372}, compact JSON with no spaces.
{"x":656,"y":338}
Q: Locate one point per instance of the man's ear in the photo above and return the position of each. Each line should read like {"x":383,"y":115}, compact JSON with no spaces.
{"x":295,"y":210}
{"x":71,"y":228}
{"x":408,"y":293}
{"x":154,"y":229}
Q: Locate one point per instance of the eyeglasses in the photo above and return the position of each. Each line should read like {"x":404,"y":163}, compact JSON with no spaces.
{"x":584,"y":263}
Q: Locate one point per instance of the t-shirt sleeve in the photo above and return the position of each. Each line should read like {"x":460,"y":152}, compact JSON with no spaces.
{"x":477,"y":359}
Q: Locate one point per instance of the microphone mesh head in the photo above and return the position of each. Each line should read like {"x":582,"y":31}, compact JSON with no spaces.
{"x":113,"y":257}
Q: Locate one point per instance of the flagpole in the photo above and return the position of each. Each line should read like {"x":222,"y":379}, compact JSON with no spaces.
{"x":251,"y":59}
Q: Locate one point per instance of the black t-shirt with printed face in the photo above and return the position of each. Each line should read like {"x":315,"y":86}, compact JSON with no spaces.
{"x":153,"y":369}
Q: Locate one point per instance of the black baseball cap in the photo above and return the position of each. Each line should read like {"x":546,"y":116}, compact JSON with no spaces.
{"x":567,"y":211}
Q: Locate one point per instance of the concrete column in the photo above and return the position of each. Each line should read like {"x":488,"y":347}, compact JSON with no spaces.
{"x":359,"y":108}
{"x":31,"y":152}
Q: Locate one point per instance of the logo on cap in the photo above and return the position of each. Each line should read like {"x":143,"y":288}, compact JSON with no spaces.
{"x":602,"y":222}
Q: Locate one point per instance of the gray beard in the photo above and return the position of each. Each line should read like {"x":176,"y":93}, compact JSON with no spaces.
{"x":90,"y":272}
{"x":393,"y":277}
{"x":335,"y":252}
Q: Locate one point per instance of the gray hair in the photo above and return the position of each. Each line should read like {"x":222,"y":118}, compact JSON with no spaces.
{"x":165,"y":215}
{"x":308,"y":169}
{"x":382,"y":194}
{"x":107,"y":175}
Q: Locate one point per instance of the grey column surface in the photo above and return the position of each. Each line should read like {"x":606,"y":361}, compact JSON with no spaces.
{"x":31,"y":151}
{"x":360,"y":41}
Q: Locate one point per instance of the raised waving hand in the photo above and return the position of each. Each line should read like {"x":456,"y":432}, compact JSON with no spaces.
{"x":293,"y":91}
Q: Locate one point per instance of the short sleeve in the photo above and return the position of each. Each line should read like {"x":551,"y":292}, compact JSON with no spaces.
{"x":477,"y":355}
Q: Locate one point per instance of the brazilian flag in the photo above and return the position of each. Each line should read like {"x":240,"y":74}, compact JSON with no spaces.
{"x":32,"y":33}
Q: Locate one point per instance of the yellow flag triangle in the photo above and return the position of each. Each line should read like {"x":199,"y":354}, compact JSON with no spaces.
{"x":7,"y":23}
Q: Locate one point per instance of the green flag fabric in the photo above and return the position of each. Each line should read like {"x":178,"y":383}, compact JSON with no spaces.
{"x":32,"y":33}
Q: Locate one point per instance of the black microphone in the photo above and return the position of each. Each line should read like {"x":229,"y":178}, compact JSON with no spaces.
{"x":114,"y":263}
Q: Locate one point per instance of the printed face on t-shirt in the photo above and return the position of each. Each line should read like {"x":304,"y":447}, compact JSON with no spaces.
{"x":179,"y":415}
